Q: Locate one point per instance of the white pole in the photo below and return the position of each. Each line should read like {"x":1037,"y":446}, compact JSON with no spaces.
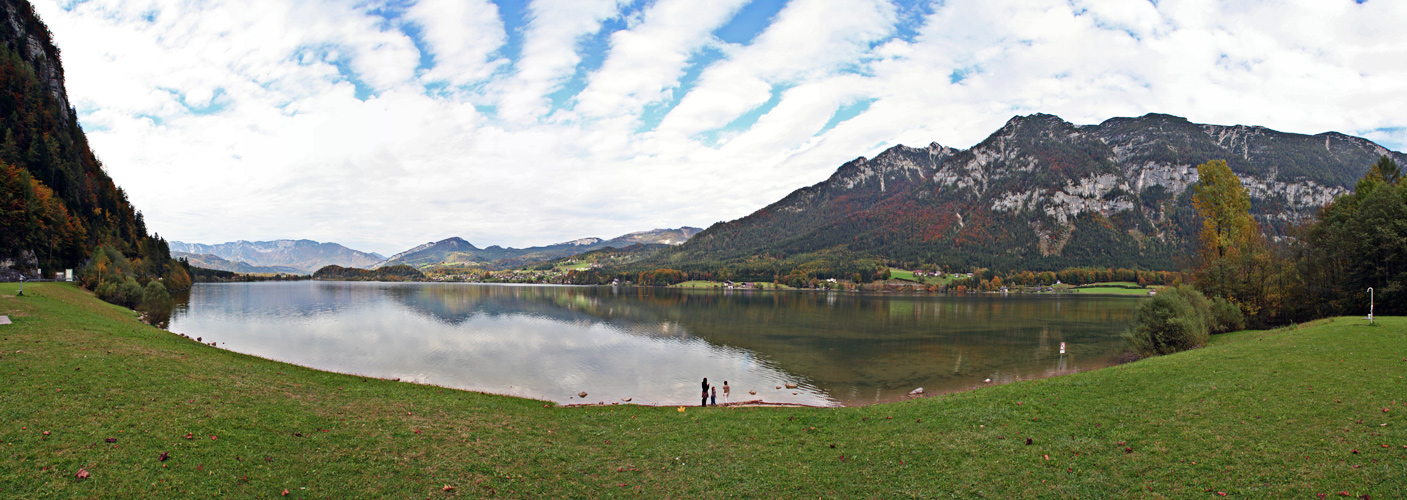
{"x":1370,"y":305}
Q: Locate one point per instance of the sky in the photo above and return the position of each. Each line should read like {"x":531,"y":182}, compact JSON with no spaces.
{"x":382,"y":125}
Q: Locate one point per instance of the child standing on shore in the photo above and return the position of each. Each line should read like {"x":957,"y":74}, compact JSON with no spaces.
{"x":714,"y":396}
{"x":725,"y":393}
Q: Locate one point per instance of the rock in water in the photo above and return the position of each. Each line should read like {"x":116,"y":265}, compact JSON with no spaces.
{"x":916,"y":392}
{"x":625,"y":399}
{"x":581,"y":394}
{"x":754,"y":393}
{"x":791,"y":385}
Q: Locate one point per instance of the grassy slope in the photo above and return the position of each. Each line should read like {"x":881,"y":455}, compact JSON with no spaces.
{"x":1257,"y":414}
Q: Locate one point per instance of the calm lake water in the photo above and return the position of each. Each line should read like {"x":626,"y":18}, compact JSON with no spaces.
{"x":654,"y":345}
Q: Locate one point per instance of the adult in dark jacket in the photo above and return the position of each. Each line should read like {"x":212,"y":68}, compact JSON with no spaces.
{"x":705,"y":392}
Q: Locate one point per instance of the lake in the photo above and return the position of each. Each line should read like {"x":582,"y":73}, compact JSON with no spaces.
{"x":654,"y":345}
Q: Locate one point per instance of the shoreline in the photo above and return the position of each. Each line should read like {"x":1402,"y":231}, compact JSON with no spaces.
{"x":1254,"y":414}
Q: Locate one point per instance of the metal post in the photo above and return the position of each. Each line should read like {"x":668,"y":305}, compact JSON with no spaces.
{"x":1370,"y":305}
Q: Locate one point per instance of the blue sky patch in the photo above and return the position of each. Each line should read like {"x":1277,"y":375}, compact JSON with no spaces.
{"x":846,"y":112}
{"x":750,"y":21}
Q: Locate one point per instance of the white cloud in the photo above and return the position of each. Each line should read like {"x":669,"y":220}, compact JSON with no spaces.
{"x":809,"y":39}
{"x":462,"y":34}
{"x":549,"y":53}
{"x":647,"y":60}
{"x":234,"y":120}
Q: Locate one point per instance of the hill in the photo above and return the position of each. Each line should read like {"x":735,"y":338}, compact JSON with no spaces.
{"x":1038,"y":194}
{"x":57,"y":202}
{"x":299,"y":256}
{"x":215,"y":262}
{"x":1255,"y":414}
{"x":456,"y":252}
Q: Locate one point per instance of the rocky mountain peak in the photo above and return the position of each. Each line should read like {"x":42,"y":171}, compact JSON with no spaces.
{"x":1043,"y":192}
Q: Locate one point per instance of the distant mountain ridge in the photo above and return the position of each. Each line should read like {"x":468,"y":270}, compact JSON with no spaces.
{"x":1040,"y":193}
{"x":209,"y":261}
{"x":301,"y":256}
{"x":457,"y":251}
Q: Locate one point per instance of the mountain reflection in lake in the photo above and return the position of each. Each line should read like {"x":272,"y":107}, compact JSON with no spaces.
{"x":654,"y":345}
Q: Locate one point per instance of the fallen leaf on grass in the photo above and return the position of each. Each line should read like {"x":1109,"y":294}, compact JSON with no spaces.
{"x":163,"y":457}
{"x":1028,"y":441}
{"x":447,"y":488}
{"x":1222,"y":493}
{"x":285,"y":492}
{"x":212,"y":438}
{"x":1047,"y":457}
{"x":1128,"y":450}
{"x":190,"y":436}
{"x":82,"y":474}
{"x":110,"y":440}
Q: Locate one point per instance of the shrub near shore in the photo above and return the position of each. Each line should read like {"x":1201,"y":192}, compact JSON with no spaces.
{"x":1292,"y":412}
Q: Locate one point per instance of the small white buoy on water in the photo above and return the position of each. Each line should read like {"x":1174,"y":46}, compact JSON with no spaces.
{"x":987,"y":381}
{"x":916,"y":392}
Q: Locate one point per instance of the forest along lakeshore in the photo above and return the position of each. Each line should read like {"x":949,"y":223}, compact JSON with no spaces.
{"x":653,"y":345}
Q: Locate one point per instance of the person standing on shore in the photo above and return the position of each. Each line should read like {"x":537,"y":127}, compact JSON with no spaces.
{"x":726,"y":391}
{"x":713,"y":396}
{"x":705,"y":392}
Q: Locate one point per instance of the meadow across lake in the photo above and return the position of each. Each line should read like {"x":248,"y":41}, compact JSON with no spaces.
{"x":141,"y":412}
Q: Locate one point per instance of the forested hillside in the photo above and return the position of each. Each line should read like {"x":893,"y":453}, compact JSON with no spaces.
{"x":56,"y":202}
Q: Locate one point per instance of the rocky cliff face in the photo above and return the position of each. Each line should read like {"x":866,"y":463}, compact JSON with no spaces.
{"x":1042,"y":192}
{"x":23,"y":33}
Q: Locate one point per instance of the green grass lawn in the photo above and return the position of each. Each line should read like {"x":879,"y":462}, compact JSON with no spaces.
{"x":719,"y":284}
{"x":900,"y":274}
{"x":1286,"y":413}
{"x":1114,"y":288}
{"x":1111,"y":290}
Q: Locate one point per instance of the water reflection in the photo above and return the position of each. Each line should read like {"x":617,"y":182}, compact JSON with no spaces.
{"x":653,"y":345}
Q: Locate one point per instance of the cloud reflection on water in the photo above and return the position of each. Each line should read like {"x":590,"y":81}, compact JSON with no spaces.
{"x":653,"y":345}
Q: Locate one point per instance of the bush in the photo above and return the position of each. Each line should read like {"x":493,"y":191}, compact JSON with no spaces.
{"x":155,"y":297}
{"x":128,"y":294}
{"x":1174,"y":320}
{"x":105,"y":291}
{"x":1225,"y":316}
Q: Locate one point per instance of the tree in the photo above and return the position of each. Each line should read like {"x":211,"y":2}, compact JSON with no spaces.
{"x":1233,"y":259}
{"x":1225,"y":208}
{"x":1386,"y":169}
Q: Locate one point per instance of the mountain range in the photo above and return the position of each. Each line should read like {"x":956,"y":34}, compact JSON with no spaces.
{"x":287,"y":256}
{"x":1040,"y":193}
{"x":456,"y":251}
